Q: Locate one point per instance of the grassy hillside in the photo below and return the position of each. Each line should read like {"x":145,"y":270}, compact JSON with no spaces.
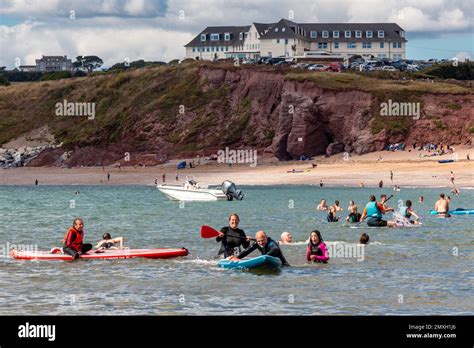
{"x":142,"y":107}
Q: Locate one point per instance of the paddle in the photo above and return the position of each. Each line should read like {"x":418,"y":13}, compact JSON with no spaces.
{"x":358,"y":224}
{"x":209,"y":232}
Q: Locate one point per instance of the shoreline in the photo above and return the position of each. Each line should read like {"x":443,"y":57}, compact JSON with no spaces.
{"x":425,"y":174}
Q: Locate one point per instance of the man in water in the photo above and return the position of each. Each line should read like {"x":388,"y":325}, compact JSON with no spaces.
{"x":383,"y":199}
{"x":286,"y":238}
{"x":407,"y":212}
{"x":266,"y":246}
{"x":73,"y":240}
{"x":442,"y":206}
{"x":374,"y":211}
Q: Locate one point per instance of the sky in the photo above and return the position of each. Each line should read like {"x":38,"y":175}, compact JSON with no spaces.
{"x":157,"y":30}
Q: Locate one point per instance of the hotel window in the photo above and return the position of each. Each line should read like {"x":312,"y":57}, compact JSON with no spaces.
{"x":336,"y":45}
{"x":276,"y":30}
{"x":358,"y":34}
{"x":397,"y":56}
{"x":283,"y":29}
{"x":222,"y":49}
{"x":208,"y":49}
{"x":397,"y":45}
{"x":241,"y":36}
{"x":347,"y":33}
{"x":226,"y":48}
{"x":246,"y":34}
{"x":214,"y":37}
{"x":351,"y":45}
{"x":278,"y":41}
{"x":203,"y":37}
{"x":382,"y":45}
{"x":194,"y":50}
{"x":227,"y":36}
{"x":313,"y":34}
{"x":369,"y":34}
{"x":322,"y":45}
{"x":335,"y":34}
{"x":366,"y":45}
{"x":286,"y":41}
{"x":381,"y":33}
{"x":325,"y":34}
{"x":402,"y":33}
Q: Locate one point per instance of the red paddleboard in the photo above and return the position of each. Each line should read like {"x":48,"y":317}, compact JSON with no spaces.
{"x":106,"y":254}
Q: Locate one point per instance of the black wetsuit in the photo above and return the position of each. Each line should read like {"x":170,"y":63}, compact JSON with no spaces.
{"x":271,"y":249}
{"x":230,"y":244}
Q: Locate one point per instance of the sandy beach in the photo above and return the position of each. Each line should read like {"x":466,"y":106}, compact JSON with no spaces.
{"x":408,"y":168}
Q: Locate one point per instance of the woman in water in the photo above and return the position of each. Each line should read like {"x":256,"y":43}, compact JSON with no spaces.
{"x":354,"y":216}
{"x":108,"y":242}
{"x":407,"y":212}
{"x":322,"y":206}
{"x":332,"y":217}
{"x":316,"y":250}
{"x":232,"y":238}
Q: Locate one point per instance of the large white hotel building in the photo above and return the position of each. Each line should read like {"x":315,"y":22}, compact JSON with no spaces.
{"x":287,"y":38}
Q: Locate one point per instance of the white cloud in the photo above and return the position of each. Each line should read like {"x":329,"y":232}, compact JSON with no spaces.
{"x":152,"y":30}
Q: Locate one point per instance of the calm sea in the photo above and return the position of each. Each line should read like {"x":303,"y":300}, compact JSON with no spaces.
{"x":418,"y":271}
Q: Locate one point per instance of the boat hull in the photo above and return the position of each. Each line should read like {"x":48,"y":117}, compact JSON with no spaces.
{"x":178,"y":193}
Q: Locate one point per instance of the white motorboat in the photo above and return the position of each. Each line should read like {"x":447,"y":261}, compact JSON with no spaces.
{"x":191,"y":191}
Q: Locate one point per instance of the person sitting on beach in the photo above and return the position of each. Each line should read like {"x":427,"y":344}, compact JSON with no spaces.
{"x":316,"y":251}
{"x":266,"y":246}
{"x":383,"y":199}
{"x":364,"y":238}
{"x":442,"y":206}
{"x":374,"y":211}
{"x":232,"y":238}
{"x":286,"y":238}
{"x":108,"y":242}
{"x":354,"y":216}
{"x":73,"y":240}
{"x":322,"y":206}
{"x":407,"y":211}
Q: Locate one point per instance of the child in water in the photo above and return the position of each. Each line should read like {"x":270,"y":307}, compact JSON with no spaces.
{"x":316,"y":250}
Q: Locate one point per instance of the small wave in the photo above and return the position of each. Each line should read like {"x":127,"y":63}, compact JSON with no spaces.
{"x":201,"y":261}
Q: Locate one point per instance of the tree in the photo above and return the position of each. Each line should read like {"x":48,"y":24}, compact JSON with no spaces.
{"x":88,"y":62}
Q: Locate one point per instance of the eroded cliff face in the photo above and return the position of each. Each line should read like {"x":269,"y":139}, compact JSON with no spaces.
{"x":308,"y":120}
{"x":140,"y":112}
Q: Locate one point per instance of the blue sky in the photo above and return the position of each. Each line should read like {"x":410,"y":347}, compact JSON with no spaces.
{"x":152,"y":30}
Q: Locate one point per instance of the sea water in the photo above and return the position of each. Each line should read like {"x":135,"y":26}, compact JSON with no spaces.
{"x":417,"y":271}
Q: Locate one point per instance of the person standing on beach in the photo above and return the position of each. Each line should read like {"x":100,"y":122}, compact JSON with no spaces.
{"x":391,"y":176}
{"x":177,"y":176}
{"x":321,"y":183}
{"x":36,"y":182}
{"x":381,"y":183}
{"x":73,"y":240}
{"x":163,"y":177}
{"x":452,"y":178}
{"x":232,"y":238}
{"x":156,"y":181}
{"x":108,"y":176}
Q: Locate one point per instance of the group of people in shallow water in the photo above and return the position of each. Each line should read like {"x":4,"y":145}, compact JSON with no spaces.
{"x":233,"y":240}
{"x":373,"y":212}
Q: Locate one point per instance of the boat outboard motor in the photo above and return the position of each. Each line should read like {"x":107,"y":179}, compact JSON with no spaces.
{"x":229,"y":189}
